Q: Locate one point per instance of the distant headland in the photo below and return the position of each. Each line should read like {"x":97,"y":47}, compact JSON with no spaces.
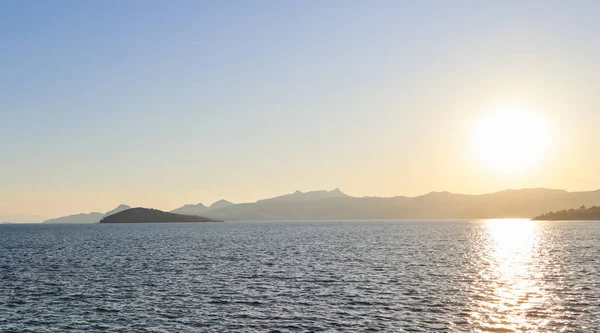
{"x":592,"y":213}
{"x":148,"y":215}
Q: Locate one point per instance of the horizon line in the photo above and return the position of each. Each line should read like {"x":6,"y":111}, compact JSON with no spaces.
{"x":312,"y":191}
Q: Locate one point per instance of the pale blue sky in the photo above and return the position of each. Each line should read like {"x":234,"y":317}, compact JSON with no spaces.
{"x":162,"y":103}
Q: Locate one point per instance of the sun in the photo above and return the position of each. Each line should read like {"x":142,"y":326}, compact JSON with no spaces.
{"x":511,"y":140}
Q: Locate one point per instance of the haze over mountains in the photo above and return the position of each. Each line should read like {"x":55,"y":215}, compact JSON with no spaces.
{"x":87,"y":218}
{"x":299,"y":196}
{"x":199,"y":209}
{"x":336,"y":205}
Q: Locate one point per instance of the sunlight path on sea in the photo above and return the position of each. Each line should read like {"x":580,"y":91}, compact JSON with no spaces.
{"x":510,"y":294}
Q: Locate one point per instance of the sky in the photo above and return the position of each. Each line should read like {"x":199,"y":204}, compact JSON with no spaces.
{"x":165,"y":103}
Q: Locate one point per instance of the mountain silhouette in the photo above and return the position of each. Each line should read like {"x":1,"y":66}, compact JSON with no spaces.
{"x":120,"y":208}
{"x":308,"y":196}
{"x":148,"y":215}
{"x":87,"y":218}
{"x":200,"y":208}
{"x":336,"y":205}
{"x":324,"y":205}
{"x":190,"y":209}
{"x":220,"y":204}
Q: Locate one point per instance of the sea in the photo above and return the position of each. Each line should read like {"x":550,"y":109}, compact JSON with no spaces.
{"x":318,"y":276}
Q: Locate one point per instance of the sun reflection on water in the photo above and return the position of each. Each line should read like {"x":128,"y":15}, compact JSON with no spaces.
{"x":508,"y":291}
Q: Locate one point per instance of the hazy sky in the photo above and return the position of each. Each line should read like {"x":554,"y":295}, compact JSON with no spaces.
{"x":162,"y":103}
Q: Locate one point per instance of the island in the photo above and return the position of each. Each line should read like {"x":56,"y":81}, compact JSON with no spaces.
{"x":147,"y":215}
{"x":582,"y":213}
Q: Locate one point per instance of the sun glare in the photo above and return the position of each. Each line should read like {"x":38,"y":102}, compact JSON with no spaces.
{"x":511,"y":140}
{"x":510,"y":286}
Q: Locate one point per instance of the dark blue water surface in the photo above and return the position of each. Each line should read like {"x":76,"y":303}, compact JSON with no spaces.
{"x":403,"y":276}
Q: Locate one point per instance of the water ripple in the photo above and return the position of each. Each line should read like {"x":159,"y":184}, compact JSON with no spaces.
{"x":460,"y":276}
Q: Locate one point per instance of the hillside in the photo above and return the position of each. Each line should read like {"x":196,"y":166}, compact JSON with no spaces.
{"x":592,"y":213}
{"x":147,"y":215}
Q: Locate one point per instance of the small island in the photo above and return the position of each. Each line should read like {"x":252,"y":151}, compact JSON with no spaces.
{"x":147,"y":215}
{"x":582,"y":213}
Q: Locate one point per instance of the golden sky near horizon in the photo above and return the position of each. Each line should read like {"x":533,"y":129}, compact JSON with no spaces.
{"x":466,"y":97}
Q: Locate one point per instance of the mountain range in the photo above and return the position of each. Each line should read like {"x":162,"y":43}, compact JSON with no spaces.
{"x":199,"y":209}
{"x":87,"y":217}
{"x":336,"y":205}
